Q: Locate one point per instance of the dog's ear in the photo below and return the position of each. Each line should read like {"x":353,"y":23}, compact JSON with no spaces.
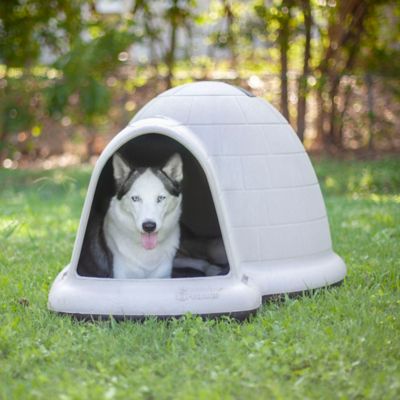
{"x":121,"y":168}
{"x":173,"y":168}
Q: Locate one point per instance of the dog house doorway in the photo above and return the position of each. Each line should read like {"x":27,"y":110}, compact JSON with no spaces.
{"x":201,"y":252}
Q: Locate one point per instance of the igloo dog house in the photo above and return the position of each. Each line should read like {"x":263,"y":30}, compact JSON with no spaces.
{"x":248,"y":181}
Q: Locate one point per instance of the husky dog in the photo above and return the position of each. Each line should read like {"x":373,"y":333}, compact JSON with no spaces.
{"x":141,"y":225}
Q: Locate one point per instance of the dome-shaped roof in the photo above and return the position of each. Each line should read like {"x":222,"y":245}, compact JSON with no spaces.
{"x":204,"y":103}
{"x":206,"y":88}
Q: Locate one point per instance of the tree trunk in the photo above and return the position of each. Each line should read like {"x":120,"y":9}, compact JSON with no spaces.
{"x":5,"y":91}
{"x":347,"y":96}
{"x":371,"y":113}
{"x":230,"y":18}
{"x":333,"y":113}
{"x":302,"y":84}
{"x":283,"y":39}
{"x":170,"y":56}
{"x":339,"y":59}
{"x":322,"y":116}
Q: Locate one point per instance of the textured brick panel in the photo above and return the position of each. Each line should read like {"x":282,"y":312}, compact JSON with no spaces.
{"x":294,"y":240}
{"x":215,"y":110}
{"x":256,"y":173}
{"x":245,"y":209}
{"x":229,"y":171}
{"x":257,"y":111}
{"x":282,"y":139}
{"x":295,"y":205}
{"x":291,"y":170}
{"x":242,"y":140}
{"x":247,"y":243}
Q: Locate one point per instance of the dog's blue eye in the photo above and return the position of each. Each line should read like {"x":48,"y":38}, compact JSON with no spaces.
{"x":160,"y":199}
{"x":135,"y":198}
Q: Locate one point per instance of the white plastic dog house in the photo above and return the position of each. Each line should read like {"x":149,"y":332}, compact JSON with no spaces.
{"x":249,"y":181}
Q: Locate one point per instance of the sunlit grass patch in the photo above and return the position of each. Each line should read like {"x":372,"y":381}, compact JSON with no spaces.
{"x":360,"y":177}
{"x":337,"y":343}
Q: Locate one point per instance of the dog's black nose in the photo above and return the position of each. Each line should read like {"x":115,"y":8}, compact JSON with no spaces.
{"x":149,"y":226}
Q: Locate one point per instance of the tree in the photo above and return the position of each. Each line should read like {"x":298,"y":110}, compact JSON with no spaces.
{"x":302,"y":90}
{"x":227,"y":29}
{"x":278,"y":31}
{"x":81,"y":89}
{"x":284,"y":16}
{"x":26,"y":27}
{"x":144,"y":14}
{"x":346,"y":26}
{"x":177,"y":15}
{"x":379,"y":64}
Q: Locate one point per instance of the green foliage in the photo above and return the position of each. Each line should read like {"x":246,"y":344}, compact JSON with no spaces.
{"x":231,"y":26}
{"x":348,"y":37}
{"x":84,"y":72}
{"x":178,"y":12}
{"x":20,"y":108}
{"x":336,"y":344}
{"x":26,"y":29}
{"x":29,"y":25}
{"x":77,"y":83}
{"x":17,"y":107}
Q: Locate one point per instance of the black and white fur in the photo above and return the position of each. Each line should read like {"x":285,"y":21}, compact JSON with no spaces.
{"x":141,"y":225}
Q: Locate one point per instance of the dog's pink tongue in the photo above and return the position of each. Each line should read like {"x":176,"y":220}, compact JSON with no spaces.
{"x":149,"y":240}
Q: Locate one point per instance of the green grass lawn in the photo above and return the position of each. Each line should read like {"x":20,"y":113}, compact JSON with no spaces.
{"x":341,"y":343}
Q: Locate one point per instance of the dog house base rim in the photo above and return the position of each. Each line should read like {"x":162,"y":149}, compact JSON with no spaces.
{"x":170,"y":297}
{"x":293,"y":295}
{"x":295,"y":275}
{"x":237,"y":315}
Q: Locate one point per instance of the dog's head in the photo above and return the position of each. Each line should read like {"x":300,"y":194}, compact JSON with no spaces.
{"x":149,"y":198}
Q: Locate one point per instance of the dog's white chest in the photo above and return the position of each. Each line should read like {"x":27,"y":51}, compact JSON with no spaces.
{"x":147,"y":266}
